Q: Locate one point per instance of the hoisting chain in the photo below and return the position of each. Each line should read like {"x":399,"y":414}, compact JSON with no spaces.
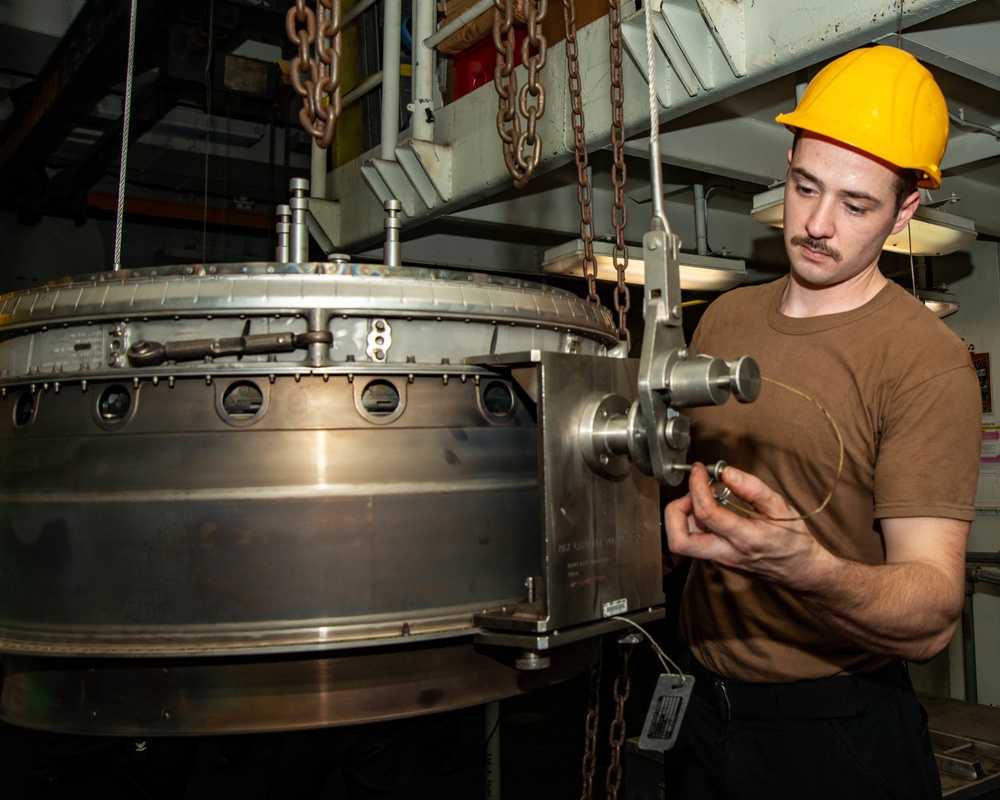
{"x":583,"y":192}
{"x":619,"y":213}
{"x":317,"y":35}
{"x":590,"y":732}
{"x":616,"y":736}
{"x":513,"y":103}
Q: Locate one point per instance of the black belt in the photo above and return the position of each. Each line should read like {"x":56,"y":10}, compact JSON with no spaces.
{"x":826,"y":698}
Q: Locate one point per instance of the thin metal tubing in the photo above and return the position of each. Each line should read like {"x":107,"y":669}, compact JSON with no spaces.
{"x":356,"y":12}
{"x":981,"y":575}
{"x":126,"y":117}
{"x":976,"y":557}
{"x":975,"y":126}
{"x":700,"y":219}
{"x":466,"y":16}
{"x":369,"y":84}
{"x":390,"y":80}
{"x":972,"y":577}
{"x":969,"y":645}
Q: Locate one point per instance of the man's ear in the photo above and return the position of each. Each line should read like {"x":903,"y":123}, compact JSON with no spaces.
{"x":790,"y":156}
{"x":906,"y":211}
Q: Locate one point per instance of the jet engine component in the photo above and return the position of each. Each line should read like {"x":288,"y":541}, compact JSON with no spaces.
{"x":226,"y":508}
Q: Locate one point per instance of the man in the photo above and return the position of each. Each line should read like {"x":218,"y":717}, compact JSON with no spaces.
{"x":797,"y":628}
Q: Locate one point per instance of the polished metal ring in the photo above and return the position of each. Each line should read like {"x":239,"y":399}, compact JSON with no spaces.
{"x":723,"y":497}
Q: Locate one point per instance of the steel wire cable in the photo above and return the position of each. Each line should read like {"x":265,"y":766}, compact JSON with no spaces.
{"x":126,"y":117}
{"x":724,"y":498}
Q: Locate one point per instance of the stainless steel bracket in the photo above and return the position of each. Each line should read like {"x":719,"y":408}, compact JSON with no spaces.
{"x":599,"y":554}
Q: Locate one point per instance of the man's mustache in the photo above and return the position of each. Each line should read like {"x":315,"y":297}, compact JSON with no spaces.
{"x":818,"y":245}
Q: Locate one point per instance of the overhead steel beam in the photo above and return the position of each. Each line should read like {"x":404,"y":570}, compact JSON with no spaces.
{"x":709,"y":147}
{"x":762,"y":154}
{"x":979,"y":202}
{"x":706,"y":49}
{"x":722,"y":47}
{"x":967,"y":46}
{"x":968,"y":148}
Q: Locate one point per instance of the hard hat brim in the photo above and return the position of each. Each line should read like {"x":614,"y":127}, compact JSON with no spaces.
{"x":928,"y":175}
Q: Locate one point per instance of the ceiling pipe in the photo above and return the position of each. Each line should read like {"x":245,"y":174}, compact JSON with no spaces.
{"x":700,"y":220}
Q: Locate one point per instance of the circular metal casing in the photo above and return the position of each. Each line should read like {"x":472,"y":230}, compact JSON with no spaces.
{"x":314,"y":512}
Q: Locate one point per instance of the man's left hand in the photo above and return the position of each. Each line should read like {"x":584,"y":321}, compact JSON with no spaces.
{"x":700,"y":527}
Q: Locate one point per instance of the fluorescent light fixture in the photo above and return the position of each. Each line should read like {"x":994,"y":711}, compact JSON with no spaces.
{"x":698,"y":273}
{"x":769,"y":207}
{"x":940,"y":302}
{"x":931,"y":232}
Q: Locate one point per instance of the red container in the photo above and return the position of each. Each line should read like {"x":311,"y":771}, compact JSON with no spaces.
{"x":475,"y":65}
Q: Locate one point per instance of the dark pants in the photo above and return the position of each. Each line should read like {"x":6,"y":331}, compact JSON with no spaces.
{"x":882,"y":752}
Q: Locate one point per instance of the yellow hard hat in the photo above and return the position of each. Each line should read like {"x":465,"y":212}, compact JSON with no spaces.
{"x":882,"y":101}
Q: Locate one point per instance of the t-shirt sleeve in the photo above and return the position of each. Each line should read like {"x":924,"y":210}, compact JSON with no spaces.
{"x":927,"y":463}
{"x":703,"y":331}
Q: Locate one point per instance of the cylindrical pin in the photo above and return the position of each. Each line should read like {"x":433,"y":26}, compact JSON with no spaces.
{"x":283,"y":228}
{"x":392,"y":256}
{"x":298,"y":243}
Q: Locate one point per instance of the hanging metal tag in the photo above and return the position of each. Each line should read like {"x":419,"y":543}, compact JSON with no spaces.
{"x":663,"y":720}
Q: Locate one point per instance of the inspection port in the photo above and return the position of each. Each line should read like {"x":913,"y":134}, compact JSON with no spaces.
{"x":114,"y":403}
{"x":114,"y":407}
{"x":498,"y":401}
{"x":24,"y":409}
{"x":242,"y":400}
{"x":380,"y":398}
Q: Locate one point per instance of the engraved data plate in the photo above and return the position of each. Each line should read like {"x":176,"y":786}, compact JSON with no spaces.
{"x":663,"y":720}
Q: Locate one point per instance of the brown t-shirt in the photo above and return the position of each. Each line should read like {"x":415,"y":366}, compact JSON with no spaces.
{"x":902,"y":390}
